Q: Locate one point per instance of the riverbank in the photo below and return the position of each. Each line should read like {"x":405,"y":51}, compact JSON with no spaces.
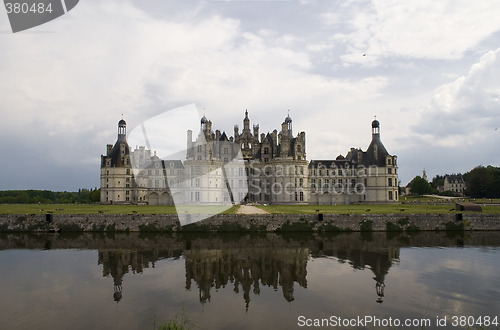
{"x":250,"y":223}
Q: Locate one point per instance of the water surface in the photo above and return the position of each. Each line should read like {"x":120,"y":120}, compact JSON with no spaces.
{"x":244,"y":281}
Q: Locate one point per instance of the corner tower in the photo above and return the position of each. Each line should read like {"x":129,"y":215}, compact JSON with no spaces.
{"x":116,"y":170}
{"x":381,"y":183}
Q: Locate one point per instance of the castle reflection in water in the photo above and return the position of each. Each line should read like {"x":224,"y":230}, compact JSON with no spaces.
{"x":279,"y":264}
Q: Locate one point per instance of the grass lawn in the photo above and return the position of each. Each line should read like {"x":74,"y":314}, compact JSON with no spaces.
{"x":414,"y":205}
{"x":440,"y":208}
{"x":106,"y":209}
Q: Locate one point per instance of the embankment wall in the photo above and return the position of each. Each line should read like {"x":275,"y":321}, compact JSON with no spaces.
{"x":249,"y":222}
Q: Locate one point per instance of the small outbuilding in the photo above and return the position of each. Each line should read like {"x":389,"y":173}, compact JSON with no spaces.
{"x":468,"y":207}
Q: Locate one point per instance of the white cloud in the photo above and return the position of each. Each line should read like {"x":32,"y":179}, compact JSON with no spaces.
{"x":465,"y":112}
{"x":66,"y":90}
{"x":412,"y":29}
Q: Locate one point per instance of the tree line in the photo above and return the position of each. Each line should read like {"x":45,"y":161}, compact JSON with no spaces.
{"x":83,"y":196}
{"x":480,"y":182}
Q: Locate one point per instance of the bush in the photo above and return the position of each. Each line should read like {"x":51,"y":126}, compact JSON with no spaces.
{"x":389,"y":226}
{"x":366,"y":226}
{"x":299,"y":226}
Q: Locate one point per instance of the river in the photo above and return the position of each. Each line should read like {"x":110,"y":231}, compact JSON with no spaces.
{"x":240,"y":281}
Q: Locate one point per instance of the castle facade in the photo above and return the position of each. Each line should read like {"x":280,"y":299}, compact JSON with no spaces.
{"x":249,"y":167}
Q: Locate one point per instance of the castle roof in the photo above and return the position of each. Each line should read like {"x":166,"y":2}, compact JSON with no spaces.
{"x":116,"y":155}
{"x":375,"y":154}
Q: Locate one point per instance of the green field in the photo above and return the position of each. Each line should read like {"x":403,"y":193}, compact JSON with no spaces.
{"x":414,"y":205}
{"x":440,"y":208}
{"x":105,"y":209}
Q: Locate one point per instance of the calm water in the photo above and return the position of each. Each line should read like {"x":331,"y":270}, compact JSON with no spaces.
{"x":245,"y":282}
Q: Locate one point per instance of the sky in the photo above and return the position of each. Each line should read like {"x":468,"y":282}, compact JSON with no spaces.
{"x":428,"y":70}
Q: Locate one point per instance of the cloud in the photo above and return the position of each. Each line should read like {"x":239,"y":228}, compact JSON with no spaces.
{"x":63,"y":92}
{"x":465,"y":111}
{"x":420,"y":29}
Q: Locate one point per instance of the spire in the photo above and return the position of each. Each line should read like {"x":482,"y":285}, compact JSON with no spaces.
{"x":122,"y":129}
{"x":246,"y":121}
{"x":203,"y":122}
{"x":288,"y":122}
{"x":375,"y":128}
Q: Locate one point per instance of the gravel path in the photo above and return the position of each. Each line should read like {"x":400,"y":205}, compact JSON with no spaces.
{"x":249,"y":209}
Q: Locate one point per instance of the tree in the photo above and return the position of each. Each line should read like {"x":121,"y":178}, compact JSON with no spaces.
{"x":483,"y":182}
{"x":420,"y":186}
{"x":437,"y":181}
{"x":95,"y":196}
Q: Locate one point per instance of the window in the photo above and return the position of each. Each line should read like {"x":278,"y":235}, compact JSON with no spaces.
{"x":296,"y":196}
{"x":171,"y":171}
{"x":390,"y":182}
{"x":197,"y":183}
{"x":199,"y":148}
{"x":197,"y":196}
{"x":266,"y":151}
{"x":389,"y":171}
{"x":128,"y":171}
{"x":301,"y":182}
{"x":301,"y":196}
{"x":390,"y":195}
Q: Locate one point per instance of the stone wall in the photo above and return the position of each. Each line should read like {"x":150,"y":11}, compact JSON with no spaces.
{"x":247,"y":222}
